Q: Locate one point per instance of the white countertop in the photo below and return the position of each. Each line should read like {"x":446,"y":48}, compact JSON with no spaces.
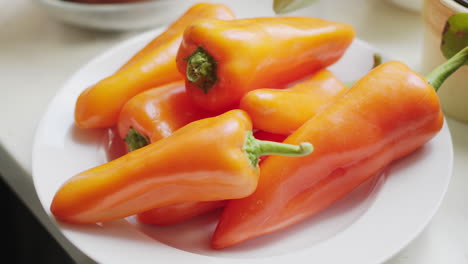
{"x":38,"y":54}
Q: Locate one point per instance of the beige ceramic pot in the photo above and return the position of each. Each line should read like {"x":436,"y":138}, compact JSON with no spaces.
{"x":454,"y":92}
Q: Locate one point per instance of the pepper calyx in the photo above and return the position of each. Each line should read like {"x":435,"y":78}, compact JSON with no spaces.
{"x":135,"y":139}
{"x":201,"y":69}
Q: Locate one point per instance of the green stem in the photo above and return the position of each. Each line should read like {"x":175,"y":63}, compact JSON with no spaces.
{"x":135,"y":139}
{"x":377,"y":60}
{"x":201,"y":69}
{"x":255,"y":148}
{"x":442,"y":72}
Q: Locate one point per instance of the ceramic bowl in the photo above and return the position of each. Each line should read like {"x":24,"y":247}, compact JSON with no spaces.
{"x":118,"y":16}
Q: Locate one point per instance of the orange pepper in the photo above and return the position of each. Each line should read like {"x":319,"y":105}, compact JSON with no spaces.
{"x":386,"y":115}
{"x":99,"y":105}
{"x":282,"y":111}
{"x":153,"y":115}
{"x":223,"y":60}
{"x":177,"y":213}
{"x":174,"y":214}
{"x":207,"y":160}
{"x":157,"y":113}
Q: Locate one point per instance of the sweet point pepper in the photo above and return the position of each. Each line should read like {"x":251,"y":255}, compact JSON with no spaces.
{"x":153,"y":115}
{"x":99,"y":105}
{"x":177,"y":213}
{"x":157,"y":113}
{"x":386,"y":115}
{"x":223,"y":60}
{"x":282,"y":111}
{"x":210,"y":159}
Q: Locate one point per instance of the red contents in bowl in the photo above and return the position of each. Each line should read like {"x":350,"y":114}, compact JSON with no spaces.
{"x":105,"y":1}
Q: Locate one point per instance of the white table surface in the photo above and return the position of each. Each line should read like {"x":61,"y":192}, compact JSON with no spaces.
{"x":38,"y":54}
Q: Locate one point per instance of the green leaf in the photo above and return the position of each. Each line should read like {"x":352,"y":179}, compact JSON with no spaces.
{"x":455,"y":35}
{"x":286,"y":6}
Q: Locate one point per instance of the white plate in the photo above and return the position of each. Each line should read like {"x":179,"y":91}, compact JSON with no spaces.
{"x":368,"y":226}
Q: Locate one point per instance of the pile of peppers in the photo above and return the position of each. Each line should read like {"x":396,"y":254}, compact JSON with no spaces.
{"x":205,"y":102}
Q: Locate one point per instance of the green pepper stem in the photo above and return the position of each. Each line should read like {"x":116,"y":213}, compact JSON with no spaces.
{"x":443,"y":71}
{"x":201,"y":69}
{"x":255,"y":148}
{"x":377,"y":60}
{"x":135,"y":140}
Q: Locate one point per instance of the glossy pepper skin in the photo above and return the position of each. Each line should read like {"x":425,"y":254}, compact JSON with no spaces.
{"x":157,"y":113}
{"x":99,"y":105}
{"x":282,"y":111}
{"x":210,"y":159}
{"x":177,"y":213}
{"x":386,"y":115}
{"x":223,"y":60}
